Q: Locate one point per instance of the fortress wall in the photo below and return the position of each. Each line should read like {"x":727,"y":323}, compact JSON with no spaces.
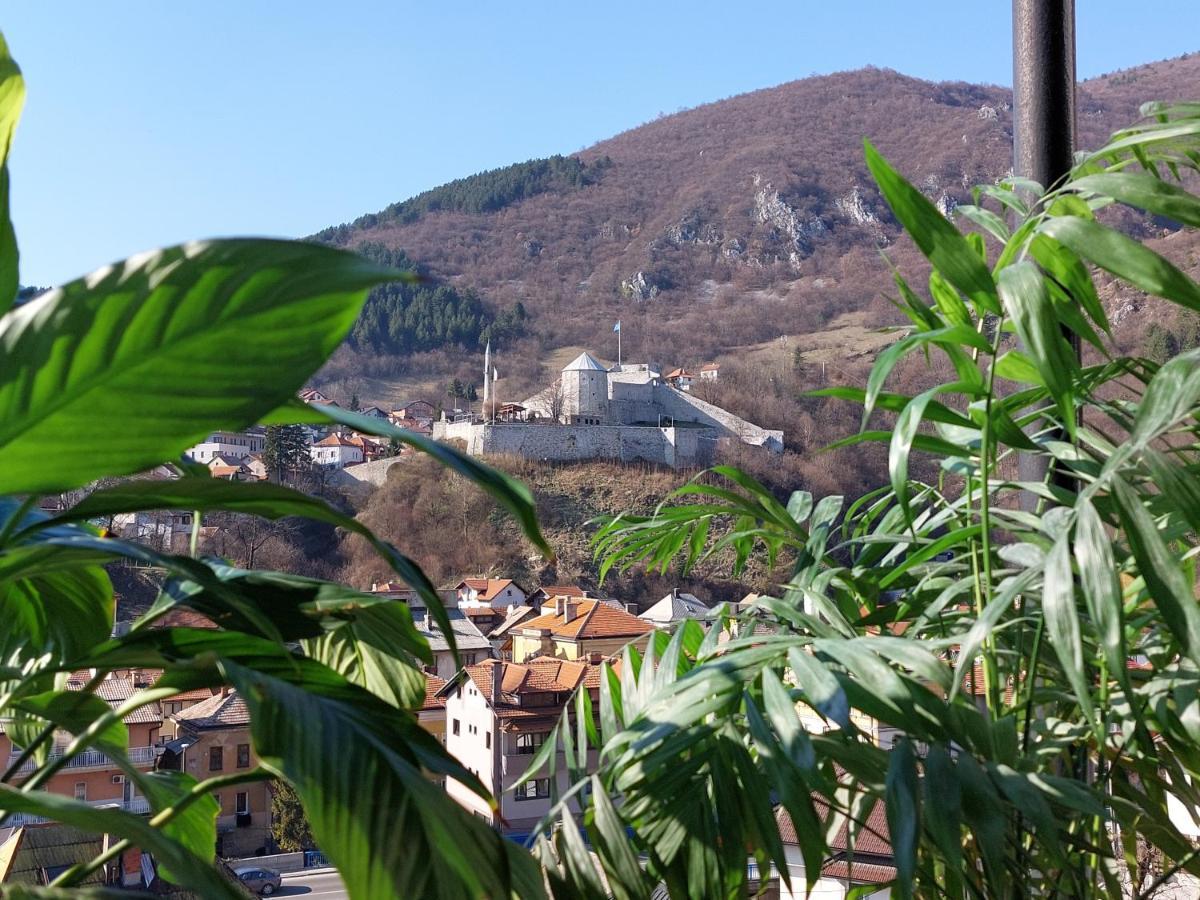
{"x":685,"y":407}
{"x":563,"y":443}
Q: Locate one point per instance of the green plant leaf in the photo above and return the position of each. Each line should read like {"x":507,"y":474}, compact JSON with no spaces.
{"x":157,"y":344}
{"x":1143,"y":191}
{"x":903,"y":814}
{"x":1029,"y":306}
{"x":194,"y":829}
{"x":12,"y":98}
{"x":64,"y":613}
{"x":1125,"y":258}
{"x":940,"y":241}
{"x":1165,"y":582}
{"x":1062,"y":621}
{"x":357,"y":768}
{"x":191,"y":871}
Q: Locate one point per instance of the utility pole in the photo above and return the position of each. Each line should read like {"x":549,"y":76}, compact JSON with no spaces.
{"x":1043,"y":117}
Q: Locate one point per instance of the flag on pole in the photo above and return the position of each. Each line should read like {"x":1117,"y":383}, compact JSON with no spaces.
{"x":617,"y":327}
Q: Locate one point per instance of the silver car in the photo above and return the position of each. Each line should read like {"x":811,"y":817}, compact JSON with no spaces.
{"x":262,"y":881}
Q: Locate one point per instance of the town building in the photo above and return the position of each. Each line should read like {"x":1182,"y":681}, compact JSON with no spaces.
{"x":501,"y":635}
{"x":213,"y":738}
{"x":420,"y":410}
{"x":547,"y":592}
{"x":229,"y":444}
{"x":866,"y":862}
{"x":336,"y":452}
{"x":498,"y":715}
{"x":578,"y":629}
{"x":710,"y":372}
{"x":498,"y":593}
{"x":473,"y":646}
{"x":624,"y":413}
{"x":676,"y":607}
{"x":92,"y":776}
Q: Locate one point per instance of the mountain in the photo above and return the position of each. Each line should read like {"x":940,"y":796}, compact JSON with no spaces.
{"x":721,"y":227}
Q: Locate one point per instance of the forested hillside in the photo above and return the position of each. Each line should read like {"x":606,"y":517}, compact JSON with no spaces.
{"x":713,"y":229}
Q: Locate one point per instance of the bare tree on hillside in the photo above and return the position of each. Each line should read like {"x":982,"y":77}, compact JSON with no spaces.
{"x":556,"y":401}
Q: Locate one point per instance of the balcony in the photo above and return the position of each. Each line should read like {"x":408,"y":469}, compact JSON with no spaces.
{"x":136,"y":805}
{"x":92,"y":759}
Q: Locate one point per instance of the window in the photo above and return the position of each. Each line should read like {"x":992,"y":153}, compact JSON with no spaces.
{"x":243,"y":756}
{"x":535,"y":789}
{"x":81,"y":790}
{"x":216,"y":760}
{"x":454,"y":727}
{"x":487,"y":740}
{"x":243,"y":803}
{"x":531,"y":741}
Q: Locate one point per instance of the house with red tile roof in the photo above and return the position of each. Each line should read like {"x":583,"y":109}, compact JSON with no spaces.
{"x":336,"y":452}
{"x":859,"y":859}
{"x":547,"y":592}
{"x":577,"y":629}
{"x":498,"y":714}
{"x":91,"y":776}
{"x":500,"y":593}
{"x":213,"y":738}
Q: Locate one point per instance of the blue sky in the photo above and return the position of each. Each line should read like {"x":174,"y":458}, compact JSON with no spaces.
{"x":150,"y":123}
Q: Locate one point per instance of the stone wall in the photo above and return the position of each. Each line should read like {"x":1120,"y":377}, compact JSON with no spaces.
{"x":365,"y":474}
{"x":687,"y":408}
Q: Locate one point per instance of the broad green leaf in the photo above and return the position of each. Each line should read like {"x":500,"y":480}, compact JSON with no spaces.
{"x":1170,"y":397}
{"x":191,"y":871}
{"x":1168,"y":588}
{"x":940,"y":241}
{"x":1028,"y":305}
{"x":617,"y":857}
{"x":12,"y":98}
{"x":72,"y":711}
{"x":1062,"y":621}
{"x":357,"y":767}
{"x":1066,"y":268}
{"x":1098,"y":578}
{"x":152,"y":354}
{"x":195,"y":829}
{"x":1017,"y":366}
{"x":821,"y":689}
{"x":64,"y":613}
{"x":377,"y":650}
{"x":901,"y":446}
{"x":1125,"y":258}
{"x":903,"y":814}
{"x":943,"y":807}
{"x":1143,"y":191}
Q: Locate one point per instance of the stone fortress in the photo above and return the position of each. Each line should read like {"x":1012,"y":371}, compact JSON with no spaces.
{"x":625,"y":413}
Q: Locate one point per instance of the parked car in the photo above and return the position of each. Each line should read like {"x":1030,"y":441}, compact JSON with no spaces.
{"x":262,"y":881}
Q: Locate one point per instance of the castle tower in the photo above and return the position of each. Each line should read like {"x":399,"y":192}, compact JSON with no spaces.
{"x":585,"y":391}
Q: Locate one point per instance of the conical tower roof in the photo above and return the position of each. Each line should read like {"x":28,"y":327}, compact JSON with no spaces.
{"x":584,"y":362}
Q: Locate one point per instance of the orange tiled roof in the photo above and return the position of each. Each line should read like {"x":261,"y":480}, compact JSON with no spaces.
{"x":218,"y":711}
{"x":563,"y":590}
{"x":433,"y":684}
{"x":182,"y":617}
{"x":488,"y":588}
{"x":335,"y":440}
{"x":593,"y":619}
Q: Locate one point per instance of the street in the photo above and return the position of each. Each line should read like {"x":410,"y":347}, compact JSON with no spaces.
{"x":323,"y":885}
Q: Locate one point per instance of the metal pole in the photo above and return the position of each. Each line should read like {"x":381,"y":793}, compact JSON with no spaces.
{"x":1043,"y":116}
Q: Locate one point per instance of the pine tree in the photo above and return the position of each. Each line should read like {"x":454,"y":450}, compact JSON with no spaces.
{"x":285,"y":450}
{"x":289,"y":824}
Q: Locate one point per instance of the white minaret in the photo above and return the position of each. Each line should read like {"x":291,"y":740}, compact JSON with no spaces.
{"x":487,"y":371}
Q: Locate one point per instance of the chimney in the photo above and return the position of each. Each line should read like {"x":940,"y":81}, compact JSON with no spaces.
{"x":630,"y":607}
{"x":560,"y":603}
{"x":428,"y":621}
{"x":570,"y":609}
{"x":595,"y":657}
{"x":497,"y":680}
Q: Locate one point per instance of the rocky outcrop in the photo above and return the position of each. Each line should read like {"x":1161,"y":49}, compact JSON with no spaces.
{"x":770,"y":209}
{"x":639,"y":286}
{"x":692,"y":229}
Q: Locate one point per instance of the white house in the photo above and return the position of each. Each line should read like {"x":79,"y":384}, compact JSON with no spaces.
{"x":336,"y":452}
{"x":229,"y":444}
{"x":675,"y":607}
{"x":498,"y":714}
{"x":497,"y":593}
